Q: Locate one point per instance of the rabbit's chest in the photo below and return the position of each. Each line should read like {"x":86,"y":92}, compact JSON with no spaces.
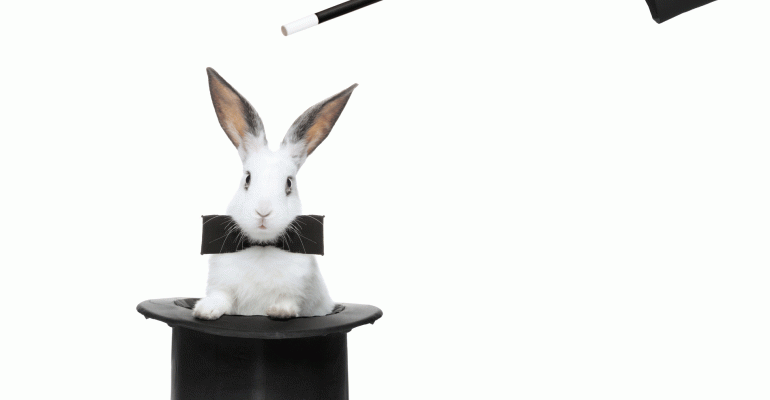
{"x":261,"y":269}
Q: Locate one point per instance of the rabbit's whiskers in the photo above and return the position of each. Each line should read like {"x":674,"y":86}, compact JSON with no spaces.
{"x":231,"y":227}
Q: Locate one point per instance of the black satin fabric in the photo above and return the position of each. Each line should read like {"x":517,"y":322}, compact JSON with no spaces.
{"x":221,"y":234}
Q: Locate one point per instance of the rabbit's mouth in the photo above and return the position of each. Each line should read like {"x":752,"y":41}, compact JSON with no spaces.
{"x":261,"y":230}
{"x":265,"y":231}
{"x":261,"y":223}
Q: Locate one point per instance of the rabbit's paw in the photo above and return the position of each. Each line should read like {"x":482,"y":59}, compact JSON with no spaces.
{"x":282,"y":311}
{"x":209,"y":308}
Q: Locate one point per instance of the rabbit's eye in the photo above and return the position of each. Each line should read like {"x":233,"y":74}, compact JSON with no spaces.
{"x":248,"y":180}
{"x":288,"y":186}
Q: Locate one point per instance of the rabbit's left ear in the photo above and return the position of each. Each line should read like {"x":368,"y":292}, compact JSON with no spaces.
{"x":314,"y":125}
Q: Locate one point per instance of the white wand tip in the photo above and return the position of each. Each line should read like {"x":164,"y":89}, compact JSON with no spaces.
{"x":299,"y":25}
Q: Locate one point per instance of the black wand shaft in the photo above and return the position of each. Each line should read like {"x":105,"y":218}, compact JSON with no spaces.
{"x":342,"y":9}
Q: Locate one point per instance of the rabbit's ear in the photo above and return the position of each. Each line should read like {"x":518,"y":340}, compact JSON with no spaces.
{"x":236,"y":116}
{"x":314,"y":125}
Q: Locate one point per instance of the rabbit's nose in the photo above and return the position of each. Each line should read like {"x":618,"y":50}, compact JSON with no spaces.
{"x":264,"y":215}
{"x":263,"y":208}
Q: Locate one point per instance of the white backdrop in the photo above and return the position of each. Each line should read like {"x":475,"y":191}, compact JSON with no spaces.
{"x":549,"y":200}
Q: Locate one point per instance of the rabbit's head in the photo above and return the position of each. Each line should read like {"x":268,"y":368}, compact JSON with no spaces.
{"x":267,"y":199}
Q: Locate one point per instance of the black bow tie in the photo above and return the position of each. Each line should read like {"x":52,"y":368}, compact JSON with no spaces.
{"x":221,"y":234}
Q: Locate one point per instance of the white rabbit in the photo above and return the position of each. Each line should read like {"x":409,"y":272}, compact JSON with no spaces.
{"x":267,"y":280}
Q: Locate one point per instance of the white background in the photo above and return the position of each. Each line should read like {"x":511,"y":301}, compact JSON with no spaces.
{"x":548,"y":200}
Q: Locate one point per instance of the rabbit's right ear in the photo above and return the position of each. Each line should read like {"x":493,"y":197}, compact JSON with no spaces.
{"x":237,"y":117}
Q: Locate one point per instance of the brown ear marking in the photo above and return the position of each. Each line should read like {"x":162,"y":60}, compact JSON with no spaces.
{"x":316,"y":123}
{"x":236,"y":116}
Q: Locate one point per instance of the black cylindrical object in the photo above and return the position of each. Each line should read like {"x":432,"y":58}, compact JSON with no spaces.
{"x":206,"y":367}
{"x":663,"y":10}
{"x":342,"y":9}
{"x":258,"y":358}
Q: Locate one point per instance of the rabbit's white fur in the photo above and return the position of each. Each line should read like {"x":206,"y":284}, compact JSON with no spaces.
{"x":267,"y":280}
